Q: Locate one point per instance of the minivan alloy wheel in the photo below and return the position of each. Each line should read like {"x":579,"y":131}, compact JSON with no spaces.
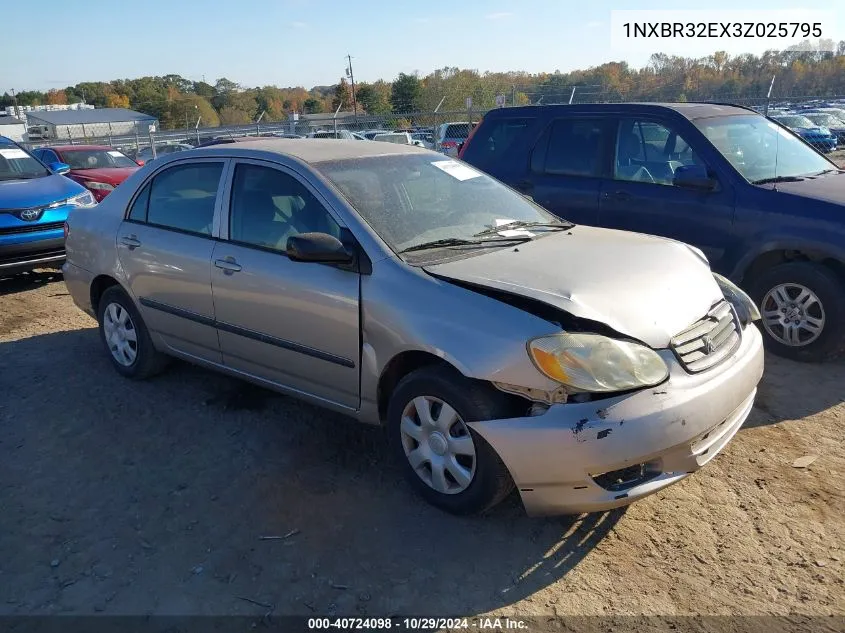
{"x":120,"y":333}
{"x":438,"y":444}
{"x":793,"y":314}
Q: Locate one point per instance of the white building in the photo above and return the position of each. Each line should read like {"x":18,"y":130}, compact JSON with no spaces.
{"x":99,"y":123}
{"x":13,"y":128}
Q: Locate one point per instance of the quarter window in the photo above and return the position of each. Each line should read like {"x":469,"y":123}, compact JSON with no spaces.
{"x":269,"y":206}
{"x":647,"y":151}
{"x":183,"y":197}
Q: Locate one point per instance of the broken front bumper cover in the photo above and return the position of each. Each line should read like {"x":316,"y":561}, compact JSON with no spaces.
{"x":587,"y":457}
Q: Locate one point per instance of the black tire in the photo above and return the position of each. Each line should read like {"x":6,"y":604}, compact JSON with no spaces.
{"x":829,"y":289}
{"x":473,"y":401}
{"x":148,"y":360}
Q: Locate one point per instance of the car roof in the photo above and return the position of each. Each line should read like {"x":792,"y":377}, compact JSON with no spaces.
{"x":71,"y":148}
{"x":690,"y":111}
{"x":316,"y":150}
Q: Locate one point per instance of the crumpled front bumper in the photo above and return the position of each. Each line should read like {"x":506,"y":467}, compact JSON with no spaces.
{"x":672,"y":430}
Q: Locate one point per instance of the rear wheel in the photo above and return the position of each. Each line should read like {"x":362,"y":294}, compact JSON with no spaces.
{"x":803,"y":310}
{"x":125,"y":336}
{"x":444,"y":460}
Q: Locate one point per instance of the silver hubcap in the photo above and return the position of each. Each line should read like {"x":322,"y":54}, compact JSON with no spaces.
{"x":793,"y":314}
{"x":121,"y":337}
{"x":438,"y":445}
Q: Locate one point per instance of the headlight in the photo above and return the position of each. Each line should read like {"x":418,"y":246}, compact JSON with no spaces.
{"x":100,"y":186}
{"x":83,"y":200}
{"x":595,"y":363}
{"x":742,"y":303}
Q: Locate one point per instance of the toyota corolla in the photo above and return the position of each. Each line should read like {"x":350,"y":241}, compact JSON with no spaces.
{"x":500,"y":346}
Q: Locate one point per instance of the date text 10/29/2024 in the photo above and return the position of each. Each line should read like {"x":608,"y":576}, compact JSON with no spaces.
{"x":417,"y":624}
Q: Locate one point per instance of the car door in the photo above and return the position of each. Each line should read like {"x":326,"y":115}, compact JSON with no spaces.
{"x":642,"y":194}
{"x":295,"y":324}
{"x":165,"y":246}
{"x":567,"y":166}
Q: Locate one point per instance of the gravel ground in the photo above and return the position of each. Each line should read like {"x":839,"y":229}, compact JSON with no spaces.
{"x":120,"y":497}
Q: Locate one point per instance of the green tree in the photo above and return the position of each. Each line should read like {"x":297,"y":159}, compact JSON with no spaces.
{"x":342,"y":95}
{"x":194,"y":106}
{"x":405,"y":93}
{"x":203,"y":89}
{"x":234,"y":116}
{"x":312,"y":106}
{"x":374,"y":98}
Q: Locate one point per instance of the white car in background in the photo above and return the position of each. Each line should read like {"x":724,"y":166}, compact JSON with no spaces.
{"x":400,"y":138}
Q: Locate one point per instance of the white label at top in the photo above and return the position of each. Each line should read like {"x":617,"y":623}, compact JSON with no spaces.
{"x":13,"y":153}
{"x":456,"y":169}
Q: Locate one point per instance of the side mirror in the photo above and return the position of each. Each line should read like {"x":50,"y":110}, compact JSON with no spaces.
{"x":59,"y":168}
{"x":140,"y":162}
{"x":318,"y":247}
{"x":694,"y":177}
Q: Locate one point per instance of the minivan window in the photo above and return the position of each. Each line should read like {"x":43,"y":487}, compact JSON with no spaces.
{"x":183,"y":197}
{"x":647,"y":151}
{"x":269,"y":206}
{"x":494,"y":138}
{"x":761,"y":150}
{"x":572,"y":147}
{"x":16,"y":164}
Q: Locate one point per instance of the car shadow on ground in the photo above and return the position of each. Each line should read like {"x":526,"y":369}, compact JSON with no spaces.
{"x":158,"y":497}
{"x":29,"y":281}
{"x":779,"y":399}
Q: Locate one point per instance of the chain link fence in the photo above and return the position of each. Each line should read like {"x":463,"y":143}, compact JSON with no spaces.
{"x":820,"y":122}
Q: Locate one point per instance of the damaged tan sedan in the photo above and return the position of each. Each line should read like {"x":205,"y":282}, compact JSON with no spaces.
{"x":501,"y":346}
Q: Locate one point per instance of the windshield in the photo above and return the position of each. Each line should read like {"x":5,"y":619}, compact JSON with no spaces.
{"x":96,"y":159}
{"x":415,"y":198}
{"x":826,"y":120}
{"x":794,"y":121}
{"x":760,"y":149}
{"x":16,"y":164}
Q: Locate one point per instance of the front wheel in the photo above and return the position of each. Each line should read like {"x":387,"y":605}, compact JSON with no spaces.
{"x":443,"y":459}
{"x":803,"y":310}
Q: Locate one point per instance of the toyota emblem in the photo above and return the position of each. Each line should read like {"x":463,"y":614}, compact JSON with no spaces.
{"x":707,"y":342}
{"x":30,"y":215}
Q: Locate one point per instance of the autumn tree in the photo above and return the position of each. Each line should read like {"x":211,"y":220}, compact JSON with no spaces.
{"x":56,"y":97}
{"x":342,"y":95}
{"x":312,"y":106}
{"x":374,"y":98}
{"x":114,"y":100}
{"x":187,"y":108}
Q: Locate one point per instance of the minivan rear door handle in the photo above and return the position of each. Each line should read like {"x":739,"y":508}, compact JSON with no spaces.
{"x":228,"y":265}
{"x":131,"y":241}
{"x":617,"y":195}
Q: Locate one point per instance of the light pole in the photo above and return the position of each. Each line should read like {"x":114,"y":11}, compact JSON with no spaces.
{"x":352,"y":79}
{"x":187,"y":131}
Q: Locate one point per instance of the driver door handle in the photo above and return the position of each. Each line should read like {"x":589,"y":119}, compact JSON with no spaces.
{"x":617,"y":195}
{"x":131,"y":241}
{"x":228,"y":265}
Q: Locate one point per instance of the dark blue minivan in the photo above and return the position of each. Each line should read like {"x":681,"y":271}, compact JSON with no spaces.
{"x":766,"y":208}
{"x":34,"y":204}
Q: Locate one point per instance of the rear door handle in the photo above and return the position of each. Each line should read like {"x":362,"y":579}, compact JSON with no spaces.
{"x":131,"y":241}
{"x":228,"y":265}
{"x":618,"y":195}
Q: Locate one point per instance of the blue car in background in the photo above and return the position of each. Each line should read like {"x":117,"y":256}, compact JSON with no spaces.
{"x":34,"y":203}
{"x":819,"y":137}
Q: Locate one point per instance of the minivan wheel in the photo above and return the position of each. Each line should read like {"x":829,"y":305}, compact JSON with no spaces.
{"x":802,"y":305}
{"x":444,"y":460}
{"x":125,"y":336}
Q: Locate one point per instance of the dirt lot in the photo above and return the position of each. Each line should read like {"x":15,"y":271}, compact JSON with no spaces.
{"x":135,"y":498}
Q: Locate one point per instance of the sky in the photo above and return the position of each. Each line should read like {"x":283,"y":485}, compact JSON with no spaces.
{"x":305,"y":43}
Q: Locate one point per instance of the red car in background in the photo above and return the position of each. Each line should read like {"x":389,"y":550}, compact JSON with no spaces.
{"x":98,"y":168}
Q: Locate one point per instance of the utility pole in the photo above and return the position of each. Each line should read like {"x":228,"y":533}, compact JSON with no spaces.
{"x":15,"y":100}
{"x":352,"y":79}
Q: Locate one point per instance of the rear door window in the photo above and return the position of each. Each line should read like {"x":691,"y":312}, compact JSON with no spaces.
{"x":495,"y":138}
{"x":182,"y":198}
{"x":572,"y":147}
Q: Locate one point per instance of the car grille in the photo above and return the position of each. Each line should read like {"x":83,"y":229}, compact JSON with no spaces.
{"x":708,"y":341}
{"x":31,"y":228}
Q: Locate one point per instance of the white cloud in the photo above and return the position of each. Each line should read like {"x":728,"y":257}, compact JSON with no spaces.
{"x":501,"y":15}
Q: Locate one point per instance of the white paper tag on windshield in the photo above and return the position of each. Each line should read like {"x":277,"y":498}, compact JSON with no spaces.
{"x":456,"y":169}
{"x":511,"y":232}
{"x":13,"y":153}
{"x":115,"y":154}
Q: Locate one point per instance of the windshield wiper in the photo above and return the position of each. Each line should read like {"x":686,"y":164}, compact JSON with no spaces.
{"x":765,"y":181}
{"x":521,"y":224}
{"x":456,"y":241}
{"x":828,"y":171}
